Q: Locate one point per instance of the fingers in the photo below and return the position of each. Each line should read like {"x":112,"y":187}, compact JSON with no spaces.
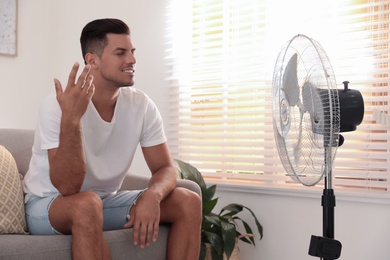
{"x":144,"y":234}
{"x":58,"y":87}
{"x":139,"y":234}
{"x":82,"y":79}
{"x":84,"y":82}
{"x":72,"y":74}
{"x":88,"y":87}
{"x":84,"y":76}
{"x":155,"y":231}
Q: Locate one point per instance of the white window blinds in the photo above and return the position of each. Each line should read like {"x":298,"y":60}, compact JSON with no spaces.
{"x":222,"y":55}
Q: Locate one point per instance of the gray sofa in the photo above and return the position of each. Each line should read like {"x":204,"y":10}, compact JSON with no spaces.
{"x":19,"y":142}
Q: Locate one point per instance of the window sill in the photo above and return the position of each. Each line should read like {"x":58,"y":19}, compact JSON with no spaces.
{"x":298,"y":190}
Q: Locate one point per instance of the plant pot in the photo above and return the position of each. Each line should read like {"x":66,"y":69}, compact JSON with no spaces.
{"x":233,"y":256}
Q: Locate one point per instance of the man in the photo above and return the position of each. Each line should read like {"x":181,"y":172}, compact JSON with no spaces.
{"x":85,"y":141}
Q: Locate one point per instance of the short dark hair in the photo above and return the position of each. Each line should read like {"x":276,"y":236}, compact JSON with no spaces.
{"x":93,"y":36}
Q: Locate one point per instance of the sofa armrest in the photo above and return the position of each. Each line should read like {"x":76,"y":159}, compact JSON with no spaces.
{"x":189,"y":185}
{"x":138,"y":182}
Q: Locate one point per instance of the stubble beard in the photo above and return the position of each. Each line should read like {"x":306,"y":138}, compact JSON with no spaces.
{"x":119,"y":83}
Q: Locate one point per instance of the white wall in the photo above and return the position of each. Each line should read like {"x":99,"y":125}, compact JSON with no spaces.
{"x":290,"y":220}
{"x":24,"y":79}
{"x":48,"y":33}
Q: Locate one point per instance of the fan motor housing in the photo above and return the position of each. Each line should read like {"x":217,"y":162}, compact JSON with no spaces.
{"x":351,"y":108}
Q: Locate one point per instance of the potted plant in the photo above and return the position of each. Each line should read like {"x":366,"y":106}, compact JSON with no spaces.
{"x":219,"y":231}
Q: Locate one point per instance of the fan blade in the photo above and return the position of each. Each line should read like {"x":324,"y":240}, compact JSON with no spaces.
{"x":298,"y":145}
{"x":284,"y":110}
{"x":313,"y":104}
{"x":290,"y":81}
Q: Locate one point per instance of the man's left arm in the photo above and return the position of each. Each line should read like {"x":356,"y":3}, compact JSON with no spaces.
{"x":159,"y":161}
{"x":145,"y":215}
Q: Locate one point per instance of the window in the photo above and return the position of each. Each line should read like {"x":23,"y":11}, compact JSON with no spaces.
{"x":222,"y":54}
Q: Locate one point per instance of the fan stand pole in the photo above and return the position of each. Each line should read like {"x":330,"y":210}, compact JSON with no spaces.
{"x":328,"y":205}
{"x":326,"y":247}
{"x":331,"y":248}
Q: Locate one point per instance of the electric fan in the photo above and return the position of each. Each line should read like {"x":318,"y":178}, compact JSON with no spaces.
{"x":309,"y":112}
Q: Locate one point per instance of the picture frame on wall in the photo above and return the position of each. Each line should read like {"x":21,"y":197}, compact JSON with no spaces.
{"x":8,"y":27}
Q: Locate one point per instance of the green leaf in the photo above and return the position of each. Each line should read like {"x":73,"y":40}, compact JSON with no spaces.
{"x":202,"y":254}
{"x":213,"y":219}
{"x":235,"y":208}
{"x":215,"y":241}
{"x":232,"y":209}
{"x":189,"y":172}
{"x":208,"y":206}
{"x":248,"y":230}
{"x":229,"y":237}
{"x":259,"y":226}
{"x":243,"y":238}
{"x":210,"y":192}
{"x":215,"y":255}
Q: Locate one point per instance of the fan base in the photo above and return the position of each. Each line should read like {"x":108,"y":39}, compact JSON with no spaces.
{"x":324,"y":247}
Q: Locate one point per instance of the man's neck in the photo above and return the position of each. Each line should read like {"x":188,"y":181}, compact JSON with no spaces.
{"x":105,"y":102}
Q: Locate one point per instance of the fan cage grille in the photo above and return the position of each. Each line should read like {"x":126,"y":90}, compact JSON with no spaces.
{"x":307,"y":132}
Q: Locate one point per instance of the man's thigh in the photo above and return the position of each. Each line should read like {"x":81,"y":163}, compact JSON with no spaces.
{"x":37,"y":215}
{"x":116,"y":208}
{"x":55,"y":213}
{"x":115,"y":211}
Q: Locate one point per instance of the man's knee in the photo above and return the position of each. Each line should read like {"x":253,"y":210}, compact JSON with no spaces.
{"x":182,"y":205}
{"x":190,"y":203}
{"x":88,"y":207}
{"x":80,"y":211}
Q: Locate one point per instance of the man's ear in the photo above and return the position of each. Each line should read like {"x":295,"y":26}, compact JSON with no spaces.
{"x":90,"y":59}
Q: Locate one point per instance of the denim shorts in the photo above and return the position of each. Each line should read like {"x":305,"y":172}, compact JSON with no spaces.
{"x":115,"y":211}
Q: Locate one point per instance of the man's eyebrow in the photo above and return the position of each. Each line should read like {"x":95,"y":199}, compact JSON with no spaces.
{"x":120,"y":49}
{"x":124,"y":49}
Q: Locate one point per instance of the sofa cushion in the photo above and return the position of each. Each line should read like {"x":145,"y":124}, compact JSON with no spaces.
{"x":33,"y":247}
{"x":12,"y":212}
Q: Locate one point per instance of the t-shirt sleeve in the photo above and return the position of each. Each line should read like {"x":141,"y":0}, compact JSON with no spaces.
{"x":153,"y":127}
{"x":49,"y":123}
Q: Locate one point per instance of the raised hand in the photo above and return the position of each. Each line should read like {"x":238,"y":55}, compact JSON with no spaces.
{"x":75,"y":98}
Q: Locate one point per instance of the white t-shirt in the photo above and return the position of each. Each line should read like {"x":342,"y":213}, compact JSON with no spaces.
{"x":109,"y":147}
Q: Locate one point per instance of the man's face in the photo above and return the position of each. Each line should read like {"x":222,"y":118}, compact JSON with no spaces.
{"x":117,"y":62}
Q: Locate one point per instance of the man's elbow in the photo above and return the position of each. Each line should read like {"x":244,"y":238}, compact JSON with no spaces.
{"x":69,"y":191}
{"x":67,"y":186}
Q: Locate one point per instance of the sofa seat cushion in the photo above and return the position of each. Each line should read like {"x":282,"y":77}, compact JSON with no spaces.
{"x":12,"y":212}
{"x":58,"y":247}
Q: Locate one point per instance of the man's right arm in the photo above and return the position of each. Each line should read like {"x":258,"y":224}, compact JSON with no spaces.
{"x":67,"y":161}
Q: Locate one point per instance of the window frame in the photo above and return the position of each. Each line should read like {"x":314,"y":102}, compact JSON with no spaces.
{"x":282,"y":184}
